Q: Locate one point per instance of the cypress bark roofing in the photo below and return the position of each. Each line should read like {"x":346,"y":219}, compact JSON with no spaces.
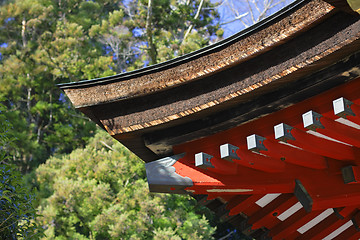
{"x":211,"y":89}
{"x":241,"y":47}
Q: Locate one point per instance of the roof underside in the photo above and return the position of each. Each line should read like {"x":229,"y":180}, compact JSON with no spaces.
{"x":287,"y":175}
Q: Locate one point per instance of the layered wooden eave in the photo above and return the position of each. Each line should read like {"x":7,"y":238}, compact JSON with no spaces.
{"x":262,"y":127}
{"x":214,"y":88}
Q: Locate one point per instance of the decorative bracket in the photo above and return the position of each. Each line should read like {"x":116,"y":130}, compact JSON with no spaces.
{"x":283,"y":132}
{"x":311,"y":120}
{"x":228,"y":152}
{"x":256,"y":143}
{"x":203,"y":160}
{"x":342,"y":107}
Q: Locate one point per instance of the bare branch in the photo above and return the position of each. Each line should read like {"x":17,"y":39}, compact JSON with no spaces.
{"x":23,"y":28}
{"x":256,"y":5}
{"x":266,"y":8}
{"x":251,"y":11}
{"x":235,"y":19}
{"x":196,"y":17}
{"x":152,"y":51}
{"x":106,"y":145}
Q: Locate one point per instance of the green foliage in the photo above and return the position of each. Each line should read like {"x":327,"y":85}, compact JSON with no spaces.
{"x":43,"y":47}
{"x":100,"y":192}
{"x":16,"y":208}
{"x":44,"y":43}
{"x":126,"y":37}
{"x":17,"y":213}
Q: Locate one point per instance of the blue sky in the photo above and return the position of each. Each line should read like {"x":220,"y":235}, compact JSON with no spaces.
{"x":231,"y":8}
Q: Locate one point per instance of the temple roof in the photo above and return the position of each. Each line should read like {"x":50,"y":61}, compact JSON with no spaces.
{"x":283,"y":72}
{"x":270,"y":60}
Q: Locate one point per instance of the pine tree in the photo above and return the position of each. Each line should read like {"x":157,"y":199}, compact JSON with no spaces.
{"x":100,"y":192}
{"x":47,"y":42}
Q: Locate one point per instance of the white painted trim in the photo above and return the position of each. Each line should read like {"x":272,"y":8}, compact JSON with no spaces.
{"x":315,"y":220}
{"x":290,"y":211}
{"x":348,"y":123}
{"x":218,"y":190}
{"x":339,"y":230}
{"x":265,"y":200}
{"x":326,"y":137}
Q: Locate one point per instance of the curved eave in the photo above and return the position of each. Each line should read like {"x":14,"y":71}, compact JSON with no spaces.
{"x":187,"y":57}
{"x":307,"y":49}
{"x":260,"y":38}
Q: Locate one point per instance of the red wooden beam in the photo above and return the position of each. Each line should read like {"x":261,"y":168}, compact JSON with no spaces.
{"x":241,"y":156}
{"x":285,"y":153}
{"x":282,"y":212}
{"x":316,"y":122}
{"x":328,"y":225}
{"x":290,"y":225}
{"x":246,"y":206}
{"x":236,"y":200}
{"x":248,"y":181}
{"x":260,"y":184}
{"x":312,"y":223}
{"x":323,"y":228}
{"x":270,"y":212}
{"x":216,"y":165}
{"x":345,"y":231}
{"x":314,"y":144}
{"x":321,"y":189}
{"x":355,"y":236}
{"x":316,"y":195}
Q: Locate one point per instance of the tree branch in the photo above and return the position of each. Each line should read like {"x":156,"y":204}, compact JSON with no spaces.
{"x":235,"y":19}
{"x":106,"y":145}
{"x":196,"y":17}
{"x":152,"y":50}
{"x":23,"y":28}
{"x":251,"y":11}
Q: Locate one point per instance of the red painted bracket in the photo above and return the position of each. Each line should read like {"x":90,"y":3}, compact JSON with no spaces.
{"x":252,"y":160}
{"x":209,"y":163}
{"x":285,"y":153}
{"x":314,"y":144}
{"x":316,"y":122}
